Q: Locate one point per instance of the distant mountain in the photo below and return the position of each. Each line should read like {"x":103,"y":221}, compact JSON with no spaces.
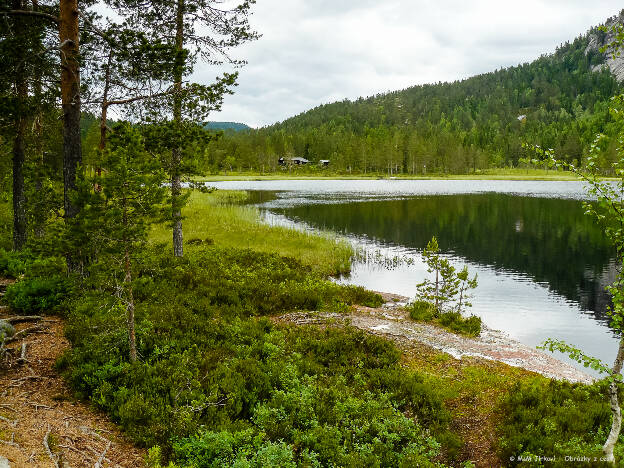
{"x":558,"y":101}
{"x":227,"y":126}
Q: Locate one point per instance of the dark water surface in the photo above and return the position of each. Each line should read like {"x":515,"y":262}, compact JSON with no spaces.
{"x":542,"y":264}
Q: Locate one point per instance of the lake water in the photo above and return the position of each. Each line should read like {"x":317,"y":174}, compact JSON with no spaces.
{"x":542,"y":264}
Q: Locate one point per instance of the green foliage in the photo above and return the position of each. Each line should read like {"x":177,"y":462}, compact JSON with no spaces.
{"x":6,"y":217}
{"x":454,"y":321}
{"x":14,"y":264}
{"x":42,"y":286}
{"x":217,"y":384}
{"x":36,"y":295}
{"x":578,"y":355}
{"x":555,"y":419}
{"x":423,"y":311}
{"x":449,"y":286}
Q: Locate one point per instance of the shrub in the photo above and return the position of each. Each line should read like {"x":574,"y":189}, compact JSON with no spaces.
{"x":218,"y":384}
{"x":454,"y":321}
{"x":424,"y":311}
{"x":555,"y":419}
{"x":35,"y":295}
{"x":14,"y":264}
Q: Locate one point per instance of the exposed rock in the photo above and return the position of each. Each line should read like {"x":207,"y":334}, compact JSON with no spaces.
{"x":615,"y":64}
{"x":4,"y":463}
{"x":6,"y":330}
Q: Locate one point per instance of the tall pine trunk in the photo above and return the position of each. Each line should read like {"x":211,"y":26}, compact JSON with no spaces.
{"x":19,"y":158}
{"x":19,"y":155}
{"x":616,"y":413}
{"x":176,"y":156}
{"x":70,"y":98}
{"x":40,"y":214}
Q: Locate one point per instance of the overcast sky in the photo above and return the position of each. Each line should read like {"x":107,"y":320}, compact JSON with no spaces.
{"x":319,"y":51}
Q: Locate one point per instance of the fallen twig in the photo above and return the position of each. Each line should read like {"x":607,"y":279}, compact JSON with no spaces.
{"x":83,"y":454}
{"x":98,"y":464}
{"x":23,"y":318}
{"x":7,"y":420}
{"x":22,"y":359}
{"x":38,"y":405}
{"x":11,"y":442}
{"x":24,"y":332}
{"x":47,"y":447}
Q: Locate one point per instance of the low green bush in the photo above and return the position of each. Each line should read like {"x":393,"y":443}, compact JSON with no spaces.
{"x":555,"y":419}
{"x":423,"y":311}
{"x":470,"y":326}
{"x":15,"y":264}
{"x":218,"y":384}
{"x":36,"y":295}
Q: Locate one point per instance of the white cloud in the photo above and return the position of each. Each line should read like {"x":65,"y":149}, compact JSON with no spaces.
{"x":318,"y":51}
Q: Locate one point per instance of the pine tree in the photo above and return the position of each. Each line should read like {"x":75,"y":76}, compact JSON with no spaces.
{"x":119,"y":216}
{"x":198,"y":29}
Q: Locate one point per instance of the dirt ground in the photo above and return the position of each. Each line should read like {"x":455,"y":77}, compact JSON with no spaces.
{"x":41,"y":424}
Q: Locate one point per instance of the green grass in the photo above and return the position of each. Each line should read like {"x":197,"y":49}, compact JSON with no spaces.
{"x":486,"y":174}
{"x":215,"y":218}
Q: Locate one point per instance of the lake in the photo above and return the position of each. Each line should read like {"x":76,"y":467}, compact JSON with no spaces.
{"x":542,"y":264}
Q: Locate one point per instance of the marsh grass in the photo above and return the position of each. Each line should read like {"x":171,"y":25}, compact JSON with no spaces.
{"x":219,"y":218}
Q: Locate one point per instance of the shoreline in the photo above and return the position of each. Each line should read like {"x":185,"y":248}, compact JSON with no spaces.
{"x":391,"y":321}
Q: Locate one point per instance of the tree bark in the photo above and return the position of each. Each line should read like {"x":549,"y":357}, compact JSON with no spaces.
{"x":19,"y":155}
{"x":40,"y":214}
{"x":176,"y":156}
{"x":616,"y":423}
{"x":70,"y":98}
{"x":128,"y":288}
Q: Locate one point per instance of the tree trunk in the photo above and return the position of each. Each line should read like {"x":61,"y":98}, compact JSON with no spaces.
{"x":128,"y":288}
{"x":70,"y":98}
{"x":176,"y":156}
{"x":40,"y":214}
{"x":437,"y":294}
{"x":616,"y":413}
{"x":19,"y":156}
{"x":19,"y":196}
{"x":104,"y":111}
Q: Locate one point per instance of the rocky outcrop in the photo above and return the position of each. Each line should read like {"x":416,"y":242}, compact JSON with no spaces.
{"x":614,"y":62}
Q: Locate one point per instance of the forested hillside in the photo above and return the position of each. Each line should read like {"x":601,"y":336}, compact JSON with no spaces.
{"x":227,"y":126}
{"x":558,"y":101}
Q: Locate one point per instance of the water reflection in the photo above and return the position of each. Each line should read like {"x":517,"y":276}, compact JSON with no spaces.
{"x":542,"y":263}
{"x":548,"y":239}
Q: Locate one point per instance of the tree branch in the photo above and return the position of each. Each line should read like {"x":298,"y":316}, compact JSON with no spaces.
{"x":31,"y":13}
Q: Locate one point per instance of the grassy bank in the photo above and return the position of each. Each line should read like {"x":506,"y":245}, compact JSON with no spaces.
{"x":486,"y":174}
{"x":218,"y":219}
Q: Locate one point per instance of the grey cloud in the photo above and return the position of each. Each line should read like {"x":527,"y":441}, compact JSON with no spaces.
{"x":316,"y":51}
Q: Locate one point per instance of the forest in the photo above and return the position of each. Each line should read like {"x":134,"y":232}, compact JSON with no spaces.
{"x":172,"y":299}
{"x":558,"y":101}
